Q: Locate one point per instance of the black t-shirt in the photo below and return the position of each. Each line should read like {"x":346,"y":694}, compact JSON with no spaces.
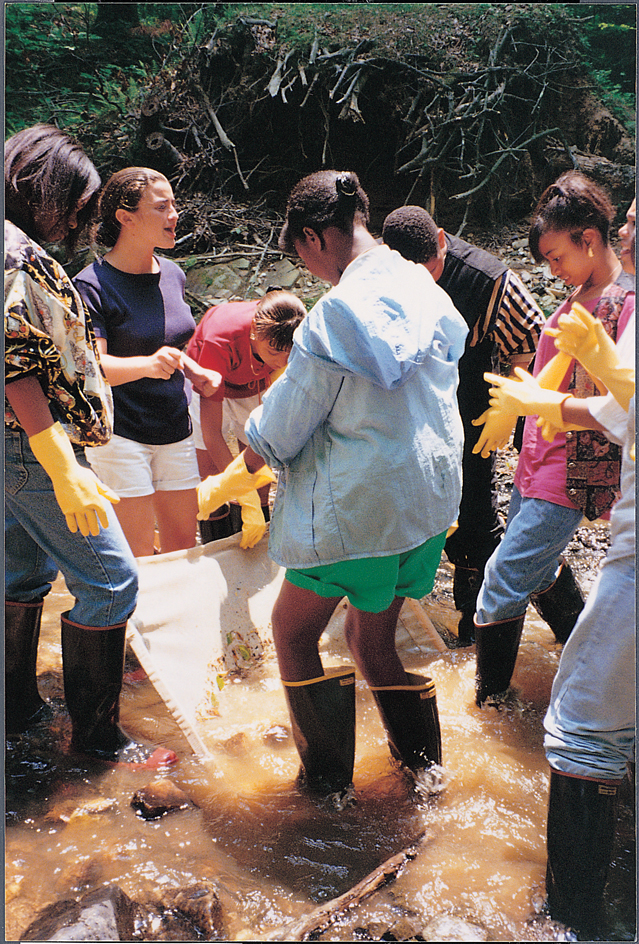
{"x":137,"y":315}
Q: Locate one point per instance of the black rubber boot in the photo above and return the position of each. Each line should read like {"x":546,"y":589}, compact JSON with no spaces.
{"x":561,"y":603}
{"x":218,"y":525}
{"x":497,"y":646}
{"x":410,"y":717}
{"x":93,"y":668}
{"x":466,"y":585}
{"x":580,"y":833}
{"x":23,"y":704}
{"x":322,"y":714}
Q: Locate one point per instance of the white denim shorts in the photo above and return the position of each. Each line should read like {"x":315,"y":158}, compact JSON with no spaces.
{"x":134,"y":469}
{"x":234,"y":416}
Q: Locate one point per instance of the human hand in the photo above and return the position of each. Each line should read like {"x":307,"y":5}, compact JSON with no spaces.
{"x":205,"y":381}
{"x":234,"y":483}
{"x":526,"y":397}
{"x":253,"y":523}
{"x":498,"y":428}
{"x":584,"y":337}
{"x":79,"y":493}
{"x":163,"y":364}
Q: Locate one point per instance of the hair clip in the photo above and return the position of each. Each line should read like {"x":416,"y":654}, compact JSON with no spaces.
{"x":346,"y":185}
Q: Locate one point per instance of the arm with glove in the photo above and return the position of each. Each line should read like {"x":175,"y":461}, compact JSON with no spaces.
{"x":583,"y":337}
{"x":501,"y":416}
{"x":578,"y":336}
{"x":240,"y":481}
{"x":80,"y":494}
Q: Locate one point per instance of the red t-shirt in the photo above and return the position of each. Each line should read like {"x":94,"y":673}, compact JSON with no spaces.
{"x":222,"y":342}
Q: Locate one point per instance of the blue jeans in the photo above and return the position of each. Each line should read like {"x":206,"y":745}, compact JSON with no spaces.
{"x":100,"y":572}
{"x":527,"y":560}
{"x":590,"y":722}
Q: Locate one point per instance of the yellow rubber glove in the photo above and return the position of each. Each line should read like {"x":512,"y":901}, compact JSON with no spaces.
{"x":79,"y":493}
{"x":253,"y":523}
{"x":235,"y":482}
{"x":498,"y":428}
{"x":583,"y":337}
{"x":527,"y":398}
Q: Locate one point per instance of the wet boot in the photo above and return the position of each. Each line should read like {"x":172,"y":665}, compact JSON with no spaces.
{"x":560,"y":604}
{"x":466,"y":585}
{"x":23,"y":704}
{"x":410,"y":717}
{"x":322,"y":714}
{"x":93,"y":668}
{"x":497,"y":646}
{"x":580,"y":835}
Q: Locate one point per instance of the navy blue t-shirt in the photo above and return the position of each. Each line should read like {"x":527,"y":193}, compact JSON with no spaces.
{"x":137,"y":315}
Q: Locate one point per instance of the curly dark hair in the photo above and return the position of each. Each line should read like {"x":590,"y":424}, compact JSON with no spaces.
{"x":46,"y":175}
{"x":326,"y":198}
{"x":571,"y":205}
{"x":412,"y":232}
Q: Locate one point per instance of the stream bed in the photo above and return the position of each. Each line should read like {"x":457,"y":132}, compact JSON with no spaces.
{"x":274,"y":855}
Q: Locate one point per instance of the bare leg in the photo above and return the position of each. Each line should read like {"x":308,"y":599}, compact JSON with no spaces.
{"x":371,"y":639}
{"x":299,"y":619}
{"x":137,"y":518}
{"x":176,"y":514}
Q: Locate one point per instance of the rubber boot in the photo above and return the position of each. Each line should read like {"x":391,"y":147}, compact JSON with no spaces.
{"x":93,"y":668}
{"x":466,"y":585}
{"x":580,"y":834}
{"x":23,"y":704}
{"x":322,"y":714}
{"x":217,"y":526}
{"x":561,"y":603}
{"x":497,"y":645}
{"x":410,"y":717}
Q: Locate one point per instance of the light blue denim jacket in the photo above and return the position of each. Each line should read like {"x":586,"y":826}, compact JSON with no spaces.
{"x":363,"y":426}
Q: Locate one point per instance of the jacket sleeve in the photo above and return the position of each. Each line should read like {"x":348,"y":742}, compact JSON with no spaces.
{"x":293,"y":408}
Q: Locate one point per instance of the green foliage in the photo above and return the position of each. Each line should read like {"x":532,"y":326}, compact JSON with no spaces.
{"x":59,"y":71}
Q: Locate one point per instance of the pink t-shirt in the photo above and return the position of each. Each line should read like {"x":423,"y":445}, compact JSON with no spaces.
{"x":541,"y":470}
{"x":222,"y":342}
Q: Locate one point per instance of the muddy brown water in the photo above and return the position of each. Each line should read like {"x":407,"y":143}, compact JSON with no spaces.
{"x":273,"y":854}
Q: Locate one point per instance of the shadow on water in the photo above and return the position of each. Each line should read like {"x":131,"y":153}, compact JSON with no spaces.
{"x":311,"y":848}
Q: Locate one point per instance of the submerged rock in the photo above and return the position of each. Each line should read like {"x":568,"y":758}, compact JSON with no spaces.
{"x":105,"y":914}
{"x":201,"y":905}
{"x":451,"y":928}
{"x":160,"y":797}
{"x":192,"y":913}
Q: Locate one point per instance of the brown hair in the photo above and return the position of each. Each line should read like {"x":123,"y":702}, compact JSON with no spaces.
{"x":276,"y":317}
{"x":326,"y":198}
{"x":123,"y":191}
{"x":46,"y":169}
{"x":571,"y":205}
{"x":412,"y":232}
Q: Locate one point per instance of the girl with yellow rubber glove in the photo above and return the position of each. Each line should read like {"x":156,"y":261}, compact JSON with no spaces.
{"x":560,"y":477}
{"x":58,"y":515}
{"x":590,"y":722}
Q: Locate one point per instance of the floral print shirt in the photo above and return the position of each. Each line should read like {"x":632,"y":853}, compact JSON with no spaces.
{"x":49,"y":335}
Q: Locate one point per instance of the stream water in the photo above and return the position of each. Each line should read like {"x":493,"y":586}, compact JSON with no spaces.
{"x":274,"y":854}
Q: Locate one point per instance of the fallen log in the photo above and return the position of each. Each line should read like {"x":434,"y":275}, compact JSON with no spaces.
{"x":324,"y":916}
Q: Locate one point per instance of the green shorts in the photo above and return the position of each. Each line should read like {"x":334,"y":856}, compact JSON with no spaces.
{"x":372,"y":583}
